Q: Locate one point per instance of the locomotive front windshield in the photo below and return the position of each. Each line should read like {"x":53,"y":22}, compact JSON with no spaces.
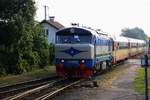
{"x":73,"y":39}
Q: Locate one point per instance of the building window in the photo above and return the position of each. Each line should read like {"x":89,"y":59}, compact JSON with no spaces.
{"x":46,"y":32}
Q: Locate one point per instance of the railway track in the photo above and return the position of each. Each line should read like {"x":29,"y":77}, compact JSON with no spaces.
{"x":46,"y":91}
{"x":43,"y":91}
{"x":33,"y":87}
{"x":39,"y":89}
{"x":10,"y":90}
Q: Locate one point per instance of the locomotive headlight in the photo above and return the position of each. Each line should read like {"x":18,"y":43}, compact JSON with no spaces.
{"x":82,"y":61}
{"x":62,"y":61}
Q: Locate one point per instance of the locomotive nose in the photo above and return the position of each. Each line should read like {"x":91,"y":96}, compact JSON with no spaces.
{"x":72,"y":51}
{"x":76,"y":51}
{"x":77,"y":59}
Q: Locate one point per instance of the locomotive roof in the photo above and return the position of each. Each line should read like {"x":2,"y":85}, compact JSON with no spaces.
{"x":80,"y":30}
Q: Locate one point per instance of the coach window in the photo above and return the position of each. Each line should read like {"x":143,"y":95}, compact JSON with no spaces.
{"x":118,"y":45}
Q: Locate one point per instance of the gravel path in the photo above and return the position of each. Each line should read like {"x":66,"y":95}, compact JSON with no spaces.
{"x":120,"y":87}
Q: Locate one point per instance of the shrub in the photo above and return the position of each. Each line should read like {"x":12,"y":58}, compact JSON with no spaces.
{"x":22,"y":66}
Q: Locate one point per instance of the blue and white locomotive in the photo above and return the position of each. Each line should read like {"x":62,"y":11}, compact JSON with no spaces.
{"x":80,"y":52}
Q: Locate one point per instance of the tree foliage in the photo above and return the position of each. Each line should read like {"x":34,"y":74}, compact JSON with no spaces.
{"x":136,"y":33}
{"x":23,"y":44}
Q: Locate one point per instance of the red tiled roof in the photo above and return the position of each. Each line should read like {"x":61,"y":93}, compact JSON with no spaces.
{"x":54,"y":24}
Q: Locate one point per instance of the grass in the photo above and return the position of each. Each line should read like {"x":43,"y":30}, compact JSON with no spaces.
{"x":35,"y":74}
{"x":139,"y":84}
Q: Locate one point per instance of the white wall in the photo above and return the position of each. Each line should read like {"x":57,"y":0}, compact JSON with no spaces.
{"x":51,"y":32}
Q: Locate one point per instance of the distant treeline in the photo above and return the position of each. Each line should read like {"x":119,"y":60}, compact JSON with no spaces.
{"x":136,"y":33}
{"x":23,"y":45}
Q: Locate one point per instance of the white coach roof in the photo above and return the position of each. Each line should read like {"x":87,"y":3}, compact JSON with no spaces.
{"x":120,"y":39}
{"x":136,"y":40}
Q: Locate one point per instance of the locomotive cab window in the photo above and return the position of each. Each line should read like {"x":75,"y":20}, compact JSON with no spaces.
{"x":73,"y":38}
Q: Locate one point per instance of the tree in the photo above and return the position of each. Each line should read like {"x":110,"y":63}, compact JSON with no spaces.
{"x":22,"y":41}
{"x":136,"y":33}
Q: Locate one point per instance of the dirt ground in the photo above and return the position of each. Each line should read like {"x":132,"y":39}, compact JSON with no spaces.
{"x":118,"y":87}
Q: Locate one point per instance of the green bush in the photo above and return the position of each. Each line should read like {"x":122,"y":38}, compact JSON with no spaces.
{"x":2,"y":71}
{"x":22,"y":66}
{"x":44,"y":58}
{"x":32,"y":58}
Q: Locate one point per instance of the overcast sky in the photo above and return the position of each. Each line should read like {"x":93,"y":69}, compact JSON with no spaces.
{"x":108,"y":15}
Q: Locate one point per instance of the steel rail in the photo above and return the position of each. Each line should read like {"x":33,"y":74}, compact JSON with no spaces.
{"x":21,"y":89}
{"x":18,"y":96}
{"x":51,"y":94}
{"x":24,"y":86}
{"x":8,"y":87}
